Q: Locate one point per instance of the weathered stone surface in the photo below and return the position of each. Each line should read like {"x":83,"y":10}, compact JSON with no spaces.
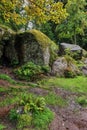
{"x":76,"y":50}
{"x":84,"y":70}
{"x":34,"y":46}
{"x":58,"y":66}
{"x":85,"y":62}
{"x":61,"y":64}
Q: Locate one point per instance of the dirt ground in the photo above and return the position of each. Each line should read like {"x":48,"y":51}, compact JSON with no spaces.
{"x":71,"y":117}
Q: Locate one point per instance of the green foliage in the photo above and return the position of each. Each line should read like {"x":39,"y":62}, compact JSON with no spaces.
{"x":46,"y":28}
{"x":69,"y":60}
{"x":77,"y":84}
{"x":31,"y":110}
{"x":42,"y":119}
{"x":75,"y":55}
{"x":68,"y":73}
{"x":45,"y":69}
{"x":72,"y":29}
{"x":32,"y":103}
{"x":13,"y":115}
{"x":31,"y":71}
{"x":24,"y":121}
{"x":2,"y":89}
{"x":2,"y":127}
{"x":82,"y":100}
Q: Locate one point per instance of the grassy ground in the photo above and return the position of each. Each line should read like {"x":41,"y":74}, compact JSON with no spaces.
{"x":78,"y":84}
{"x":13,"y":93}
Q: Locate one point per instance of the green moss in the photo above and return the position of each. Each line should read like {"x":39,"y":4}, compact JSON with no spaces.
{"x":43,"y":41}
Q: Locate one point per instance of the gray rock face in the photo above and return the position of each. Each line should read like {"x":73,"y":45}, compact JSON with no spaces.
{"x":60,"y":65}
{"x":85,"y":62}
{"x":33,"y":46}
{"x":31,"y":50}
{"x":84,"y":70}
{"x":76,"y":50}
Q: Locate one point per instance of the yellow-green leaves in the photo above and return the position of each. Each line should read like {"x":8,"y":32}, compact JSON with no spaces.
{"x":20,"y":11}
{"x":44,"y":10}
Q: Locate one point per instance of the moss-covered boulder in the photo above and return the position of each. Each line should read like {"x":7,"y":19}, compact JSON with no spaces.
{"x":36,"y":47}
{"x":7,"y":45}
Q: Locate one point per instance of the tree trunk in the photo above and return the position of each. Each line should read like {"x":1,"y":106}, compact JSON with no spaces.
{"x":75,"y":39}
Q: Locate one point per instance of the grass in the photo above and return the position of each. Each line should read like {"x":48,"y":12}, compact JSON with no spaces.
{"x":7,"y":78}
{"x":12,"y":95}
{"x":42,"y":119}
{"x":82,"y":100}
{"x":53,"y":99}
{"x":78,"y":84}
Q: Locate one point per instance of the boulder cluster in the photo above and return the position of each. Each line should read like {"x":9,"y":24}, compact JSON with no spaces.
{"x":34,"y":46}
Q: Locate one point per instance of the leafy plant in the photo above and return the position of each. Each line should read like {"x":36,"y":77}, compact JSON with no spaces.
{"x":24,"y":120}
{"x":31,"y":71}
{"x":31,"y":109}
{"x":13,"y":115}
{"x":42,"y":119}
{"x":31,"y":103}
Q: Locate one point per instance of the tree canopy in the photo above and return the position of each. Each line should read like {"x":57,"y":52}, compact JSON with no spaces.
{"x":76,"y":21}
{"x":21,"y":11}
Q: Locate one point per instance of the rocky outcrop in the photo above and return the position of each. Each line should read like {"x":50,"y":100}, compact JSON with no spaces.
{"x":73,"y":50}
{"x":84,"y":70}
{"x":8,"y":53}
{"x":34,"y":46}
{"x":26,"y":46}
{"x":59,"y":66}
{"x":62,"y":65}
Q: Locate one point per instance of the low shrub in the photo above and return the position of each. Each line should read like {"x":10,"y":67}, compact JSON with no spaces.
{"x":31,"y":110}
{"x":31,"y":71}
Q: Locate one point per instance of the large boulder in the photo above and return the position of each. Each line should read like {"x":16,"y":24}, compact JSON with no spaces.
{"x":64,"y":65}
{"x":59,"y":66}
{"x":35,"y":46}
{"x":84,"y":67}
{"x":8,"y":53}
{"x":73,"y":50}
